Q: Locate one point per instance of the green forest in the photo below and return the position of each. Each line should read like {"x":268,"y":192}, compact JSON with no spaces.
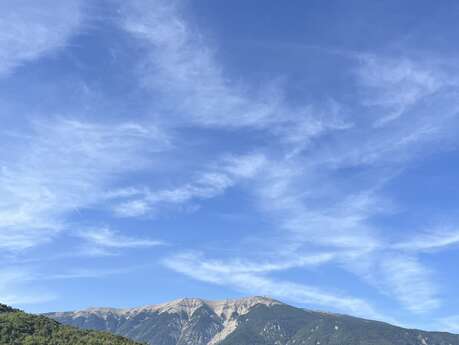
{"x":19,"y":328}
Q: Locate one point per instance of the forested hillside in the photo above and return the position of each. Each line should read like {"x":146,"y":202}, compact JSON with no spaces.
{"x":19,"y":328}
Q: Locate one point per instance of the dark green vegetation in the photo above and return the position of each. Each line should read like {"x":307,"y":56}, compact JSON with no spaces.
{"x":261,"y":324}
{"x":19,"y":328}
{"x":283,"y":324}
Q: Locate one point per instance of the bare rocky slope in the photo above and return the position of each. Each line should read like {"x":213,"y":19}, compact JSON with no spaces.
{"x":246,"y":321}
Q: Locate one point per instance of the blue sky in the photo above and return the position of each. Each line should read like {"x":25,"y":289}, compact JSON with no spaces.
{"x":162,"y":149}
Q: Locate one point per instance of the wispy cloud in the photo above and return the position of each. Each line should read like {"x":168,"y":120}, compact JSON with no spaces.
{"x":298,"y":189}
{"x":84,"y":273}
{"x":345,"y":229}
{"x":182,"y":67}
{"x":106,"y":238}
{"x":207,"y":184}
{"x":29,"y":30}
{"x":410,"y":282}
{"x":59,"y":167}
{"x":395,"y":85}
{"x":296,"y":198}
{"x":430,"y":241}
{"x":316,"y":173}
{"x":247,"y":279}
{"x":247,"y":266}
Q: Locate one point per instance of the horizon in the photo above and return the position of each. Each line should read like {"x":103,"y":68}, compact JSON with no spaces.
{"x":103,"y":308}
{"x":305,"y":151}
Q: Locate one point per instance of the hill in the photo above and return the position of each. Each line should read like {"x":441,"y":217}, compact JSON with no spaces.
{"x":19,"y":328}
{"x":247,"y":321}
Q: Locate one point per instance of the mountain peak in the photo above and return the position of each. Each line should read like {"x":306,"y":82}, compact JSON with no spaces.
{"x":223,"y":308}
{"x":186,"y":305}
{"x":239,"y":321}
{"x":240,"y":306}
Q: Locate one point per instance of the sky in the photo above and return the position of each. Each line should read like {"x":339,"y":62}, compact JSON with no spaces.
{"x":305,"y":150}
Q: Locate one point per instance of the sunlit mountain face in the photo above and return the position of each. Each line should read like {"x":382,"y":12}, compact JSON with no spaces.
{"x":304,"y":150}
{"x":251,"y":320}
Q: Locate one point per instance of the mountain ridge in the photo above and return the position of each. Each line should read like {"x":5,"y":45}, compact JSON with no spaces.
{"x":187,"y":304}
{"x":247,"y":321}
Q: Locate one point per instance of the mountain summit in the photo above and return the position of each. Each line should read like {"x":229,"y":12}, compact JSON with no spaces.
{"x":187,"y":306}
{"x":246,"y":321}
{"x":225,"y":309}
{"x":187,"y":320}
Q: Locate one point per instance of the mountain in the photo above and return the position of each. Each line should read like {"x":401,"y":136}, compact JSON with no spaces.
{"x":19,"y":328}
{"x":247,"y":321}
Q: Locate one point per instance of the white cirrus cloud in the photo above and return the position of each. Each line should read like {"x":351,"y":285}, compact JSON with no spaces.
{"x":31,"y":29}
{"x":395,"y":85}
{"x":106,"y":238}
{"x":183,"y":68}
{"x":59,"y":166}
{"x":411,"y":282}
{"x":430,"y":241}
{"x":214,"y":181}
{"x":249,"y":279}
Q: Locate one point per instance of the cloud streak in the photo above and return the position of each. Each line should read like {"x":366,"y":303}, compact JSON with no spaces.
{"x":30,"y":30}
{"x":106,"y":238}
{"x":182,"y":68}
{"x":396,"y":85}
{"x":297,"y":189}
{"x":247,"y":278}
{"x":60,"y":167}
{"x":430,"y":241}
{"x":207,"y":184}
{"x":411,"y":283}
